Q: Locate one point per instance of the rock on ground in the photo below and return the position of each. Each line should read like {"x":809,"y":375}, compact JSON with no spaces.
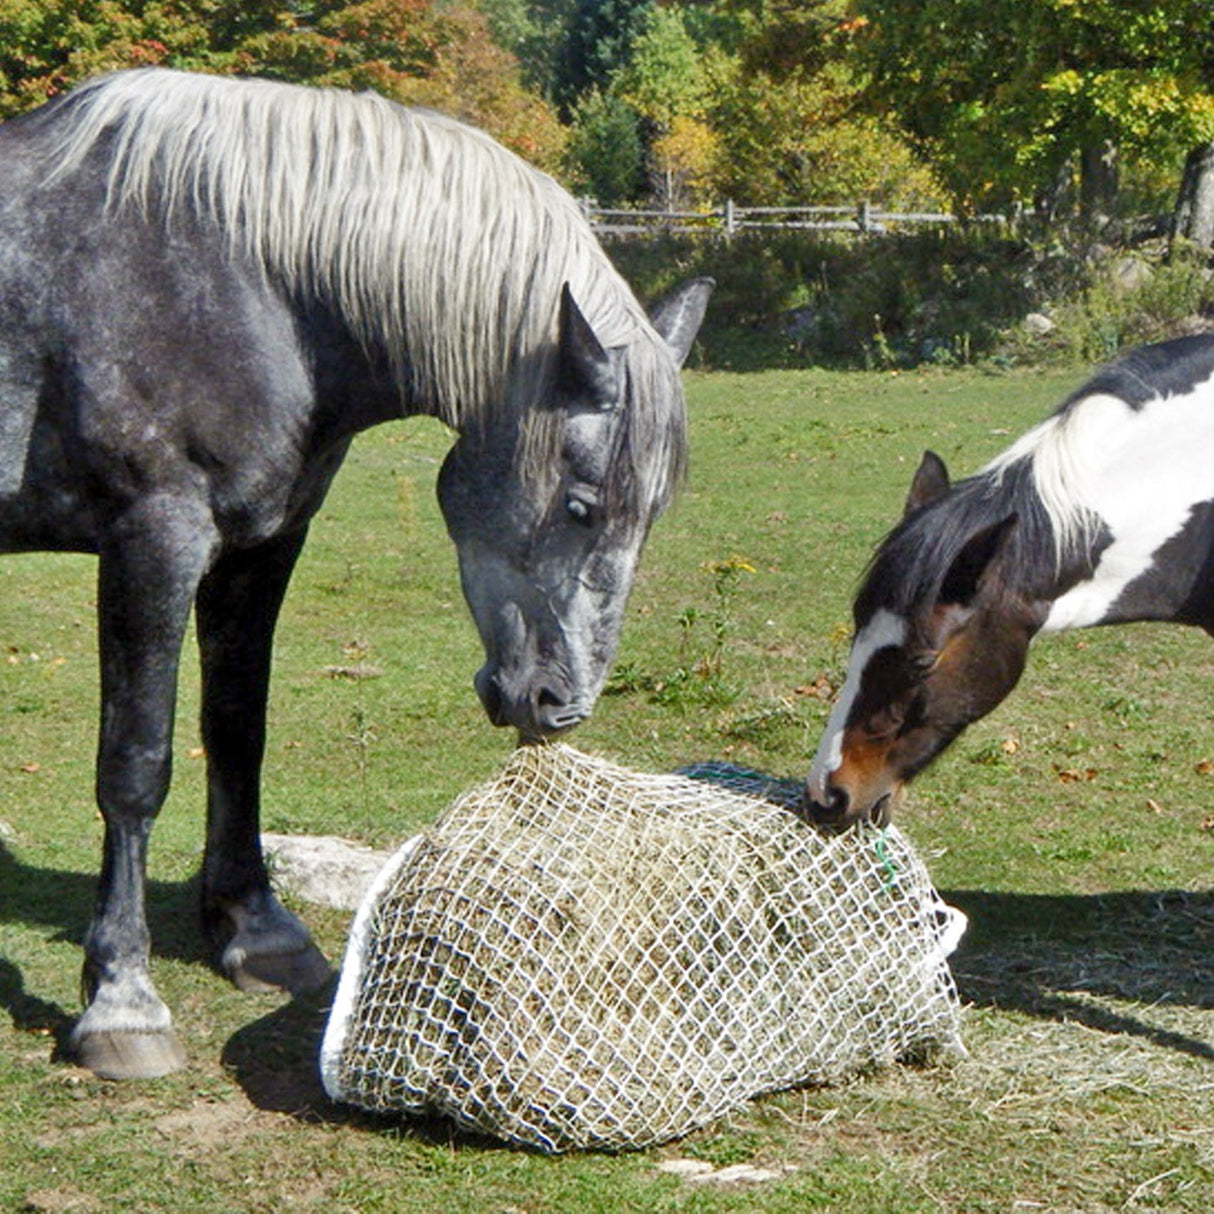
{"x":322,"y":869}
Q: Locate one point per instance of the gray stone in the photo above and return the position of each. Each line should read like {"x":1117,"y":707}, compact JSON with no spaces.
{"x":323,"y":869}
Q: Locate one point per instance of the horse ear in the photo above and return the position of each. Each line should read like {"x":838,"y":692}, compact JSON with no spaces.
{"x":973,"y":564}
{"x":931,"y":482}
{"x":677,"y":318}
{"x":586,"y":368}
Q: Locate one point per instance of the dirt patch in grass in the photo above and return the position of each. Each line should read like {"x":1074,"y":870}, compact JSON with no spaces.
{"x":61,"y":1201}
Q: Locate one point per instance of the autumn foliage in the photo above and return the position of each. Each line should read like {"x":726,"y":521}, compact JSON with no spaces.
{"x":1057,"y":106}
{"x":414,"y":51}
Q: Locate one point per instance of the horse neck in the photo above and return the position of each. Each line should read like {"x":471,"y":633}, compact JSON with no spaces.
{"x":993,"y":536}
{"x":1142,"y":550}
{"x":355,"y":387}
{"x":1122,"y":476}
{"x":1130,"y":576}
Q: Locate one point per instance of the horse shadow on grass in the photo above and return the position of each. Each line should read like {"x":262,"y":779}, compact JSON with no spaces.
{"x":1112,"y":962}
{"x":276,"y":1061}
{"x":1139,"y":963}
{"x":273,"y":1058}
{"x":63,"y":902}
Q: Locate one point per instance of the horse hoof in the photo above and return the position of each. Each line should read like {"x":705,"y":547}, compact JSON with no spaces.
{"x":127,"y":1055}
{"x":299,"y":973}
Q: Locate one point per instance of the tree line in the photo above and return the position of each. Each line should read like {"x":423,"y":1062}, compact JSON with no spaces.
{"x":1065,"y":108}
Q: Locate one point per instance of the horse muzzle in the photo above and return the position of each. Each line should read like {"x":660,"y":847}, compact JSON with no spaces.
{"x":839,"y":812}
{"x":539,"y":709}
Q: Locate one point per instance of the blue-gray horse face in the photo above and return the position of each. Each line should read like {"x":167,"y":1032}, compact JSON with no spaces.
{"x":546,"y":584}
{"x":547,"y":570}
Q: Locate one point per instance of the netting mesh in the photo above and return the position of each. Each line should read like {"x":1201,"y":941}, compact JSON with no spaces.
{"x":579,"y":955}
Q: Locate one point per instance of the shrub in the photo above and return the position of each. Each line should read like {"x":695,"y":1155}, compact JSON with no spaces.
{"x":938,"y":296}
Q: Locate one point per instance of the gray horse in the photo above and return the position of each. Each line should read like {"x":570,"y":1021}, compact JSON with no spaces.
{"x":207,"y":287}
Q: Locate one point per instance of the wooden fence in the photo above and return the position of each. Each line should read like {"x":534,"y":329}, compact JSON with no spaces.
{"x":728,"y":220}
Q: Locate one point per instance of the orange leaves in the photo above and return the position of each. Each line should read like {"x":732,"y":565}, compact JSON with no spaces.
{"x":1075,"y":775}
{"x":820,"y":689}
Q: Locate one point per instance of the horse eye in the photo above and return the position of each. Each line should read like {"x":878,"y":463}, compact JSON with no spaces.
{"x":921,"y":663}
{"x":886,"y":723}
{"x":582,"y":506}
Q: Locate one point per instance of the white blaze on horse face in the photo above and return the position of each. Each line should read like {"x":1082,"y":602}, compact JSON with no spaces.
{"x":884,"y":630}
{"x":1142,"y":471}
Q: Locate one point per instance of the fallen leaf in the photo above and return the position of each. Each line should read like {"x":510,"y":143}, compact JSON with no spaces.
{"x":1154,"y":806}
{"x":820,"y":689}
{"x":1072,"y":775}
{"x":1205,"y":767}
{"x":31,"y":769}
{"x":1010,"y":746}
{"x":358,"y":670}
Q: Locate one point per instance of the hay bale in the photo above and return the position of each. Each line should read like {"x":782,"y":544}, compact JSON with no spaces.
{"x":578,"y":955}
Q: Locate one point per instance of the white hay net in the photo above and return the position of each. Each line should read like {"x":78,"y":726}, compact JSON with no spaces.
{"x":578,"y":955}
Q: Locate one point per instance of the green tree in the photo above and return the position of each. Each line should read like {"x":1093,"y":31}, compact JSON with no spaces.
{"x":598,"y":44}
{"x":606,"y":155}
{"x":788,"y":37}
{"x":664,"y":76}
{"x":536,"y":31}
{"x":788,"y":114}
{"x":667,"y":82}
{"x":1013,"y":101}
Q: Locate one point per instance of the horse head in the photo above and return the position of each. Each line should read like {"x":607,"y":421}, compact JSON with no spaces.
{"x":941,"y":637}
{"x":547,"y":562}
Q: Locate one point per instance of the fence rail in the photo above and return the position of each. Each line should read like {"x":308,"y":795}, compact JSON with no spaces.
{"x":728,"y":219}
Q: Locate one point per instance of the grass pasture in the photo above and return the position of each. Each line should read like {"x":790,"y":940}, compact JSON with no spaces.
{"x":1075,"y":826}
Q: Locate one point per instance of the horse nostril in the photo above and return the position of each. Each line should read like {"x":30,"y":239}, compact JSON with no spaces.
{"x":831,"y":812}
{"x":544,"y":711}
{"x":490,"y":692}
{"x":837,"y":801}
{"x":554,"y":712}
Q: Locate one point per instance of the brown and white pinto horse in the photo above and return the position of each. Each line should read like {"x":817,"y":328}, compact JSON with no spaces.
{"x":1102,"y":514}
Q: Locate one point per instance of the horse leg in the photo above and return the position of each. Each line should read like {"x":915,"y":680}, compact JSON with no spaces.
{"x":262,"y":945}
{"x":150,"y":564}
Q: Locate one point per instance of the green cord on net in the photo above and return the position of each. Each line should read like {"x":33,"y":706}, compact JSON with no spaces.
{"x":886,"y":861}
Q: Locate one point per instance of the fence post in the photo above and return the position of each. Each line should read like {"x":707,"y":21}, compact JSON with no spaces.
{"x":731,"y":223}
{"x":866,"y":216}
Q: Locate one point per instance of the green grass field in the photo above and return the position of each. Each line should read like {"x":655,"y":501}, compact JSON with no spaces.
{"x":1075,"y":826}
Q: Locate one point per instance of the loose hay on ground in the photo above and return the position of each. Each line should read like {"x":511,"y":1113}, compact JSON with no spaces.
{"x":579,"y":955}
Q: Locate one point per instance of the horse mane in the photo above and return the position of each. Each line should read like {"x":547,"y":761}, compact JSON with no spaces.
{"x":910,"y":564}
{"x":440,"y":249}
{"x":1056,"y":455}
